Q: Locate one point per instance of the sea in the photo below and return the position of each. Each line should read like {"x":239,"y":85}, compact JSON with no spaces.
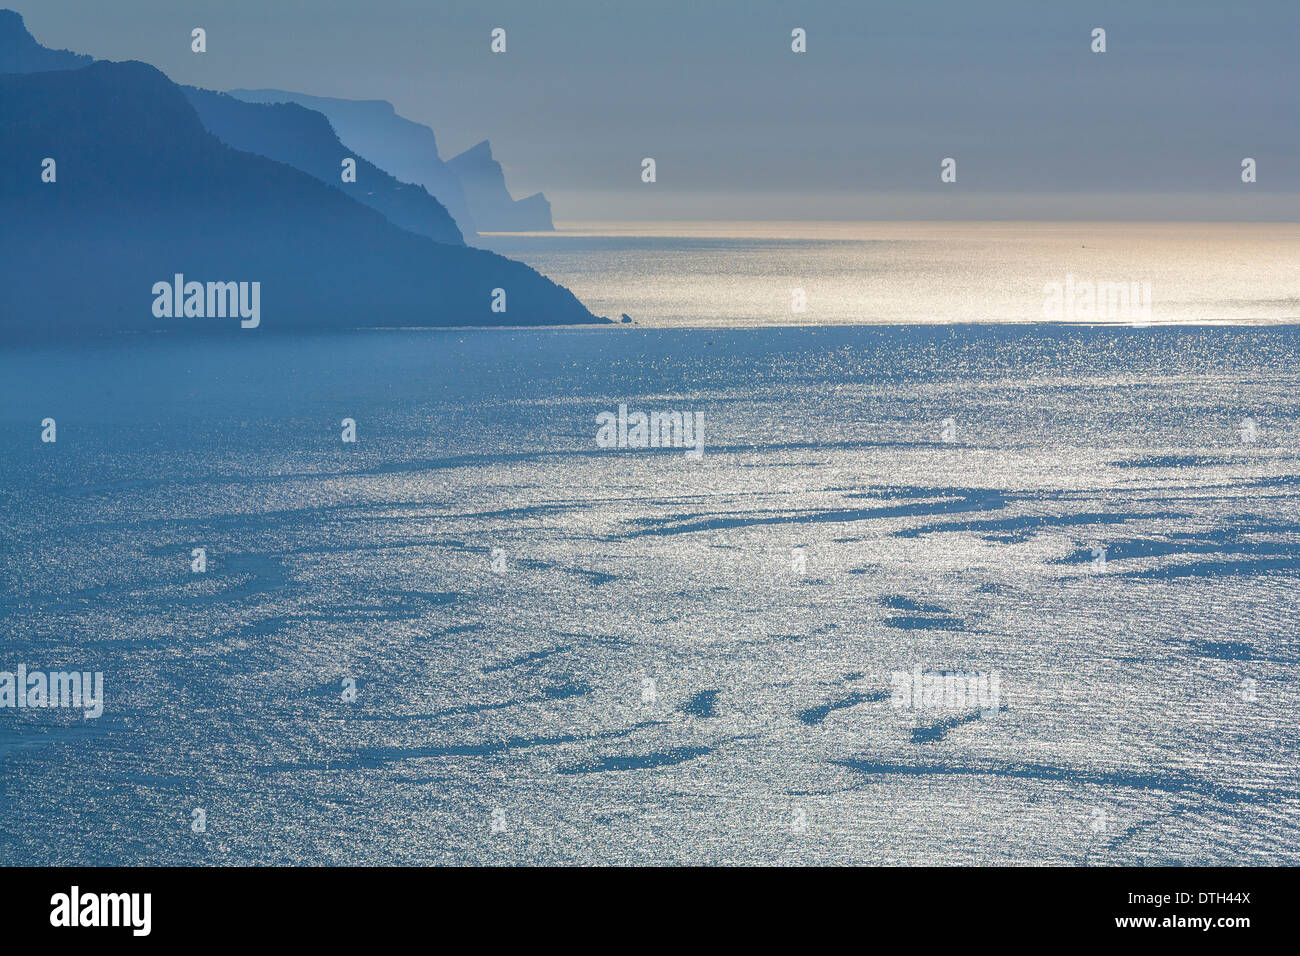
{"x":947,"y":583}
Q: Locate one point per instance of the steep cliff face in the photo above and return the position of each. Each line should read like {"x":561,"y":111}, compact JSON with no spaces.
{"x":304,"y":139}
{"x":495,"y":210}
{"x":141,"y":191}
{"x":407,"y":150}
{"x":472,"y":185}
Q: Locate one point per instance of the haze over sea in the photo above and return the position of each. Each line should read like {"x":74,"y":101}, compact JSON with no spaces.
{"x":564,"y":653}
{"x":742,"y":273}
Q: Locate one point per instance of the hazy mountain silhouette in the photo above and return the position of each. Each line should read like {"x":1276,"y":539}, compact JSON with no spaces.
{"x":473,"y":182}
{"x":20,"y":53}
{"x":287,"y":133}
{"x":372,"y":127}
{"x":144,"y":191}
{"x":304,"y":139}
{"x":494,"y":208}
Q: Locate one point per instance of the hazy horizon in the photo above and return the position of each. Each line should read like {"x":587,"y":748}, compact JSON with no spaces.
{"x":845,"y":228}
{"x":743,"y":128}
{"x":743,"y":274}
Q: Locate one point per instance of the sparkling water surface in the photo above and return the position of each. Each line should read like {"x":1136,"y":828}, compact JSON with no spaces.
{"x":653,"y":679}
{"x":850,"y":273}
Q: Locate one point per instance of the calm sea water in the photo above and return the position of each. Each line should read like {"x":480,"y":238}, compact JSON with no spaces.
{"x":719,"y":274}
{"x":674,"y":660}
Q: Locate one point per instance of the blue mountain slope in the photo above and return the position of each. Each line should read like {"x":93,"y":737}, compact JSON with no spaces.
{"x":372,"y":127}
{"x":20,"y":53}
{"x":304,"y":139}
{"x":471,"y":185}
{"x":143,"y":192}
{"x":290,"y":134}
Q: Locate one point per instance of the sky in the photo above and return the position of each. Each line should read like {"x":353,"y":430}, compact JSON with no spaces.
{"x":741,"y":127}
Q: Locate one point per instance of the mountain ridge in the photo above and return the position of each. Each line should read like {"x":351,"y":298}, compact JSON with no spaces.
{"x":144,"y":191}
{"x":405,"y":149}
{"x":304,"y":139}
{"x":20,"y":53}
{"x":409,"y":150}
